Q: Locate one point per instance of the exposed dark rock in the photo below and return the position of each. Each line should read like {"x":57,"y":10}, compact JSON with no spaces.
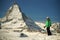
{"x":23,"y":35}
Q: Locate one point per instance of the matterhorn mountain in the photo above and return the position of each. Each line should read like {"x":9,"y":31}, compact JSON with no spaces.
{"x":16,"y":19}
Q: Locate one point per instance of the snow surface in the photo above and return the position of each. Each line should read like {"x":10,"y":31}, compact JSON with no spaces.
{"x":9,"y":35}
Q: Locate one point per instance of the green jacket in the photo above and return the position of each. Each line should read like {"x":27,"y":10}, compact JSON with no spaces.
{"x":48,"y":23}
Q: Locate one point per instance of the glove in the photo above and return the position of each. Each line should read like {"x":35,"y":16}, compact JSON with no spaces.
{"x":44,"y":26}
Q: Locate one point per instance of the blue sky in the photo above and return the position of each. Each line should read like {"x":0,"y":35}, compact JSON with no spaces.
{"x":38,"y":10}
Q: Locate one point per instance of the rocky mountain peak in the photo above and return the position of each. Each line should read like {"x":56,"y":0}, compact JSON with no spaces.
{"x":15,"y":18}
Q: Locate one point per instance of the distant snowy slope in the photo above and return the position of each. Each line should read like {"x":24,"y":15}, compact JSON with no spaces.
{"x":40,"y":24}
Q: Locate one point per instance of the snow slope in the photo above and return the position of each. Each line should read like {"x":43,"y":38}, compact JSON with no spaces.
{"x":8,"y":35}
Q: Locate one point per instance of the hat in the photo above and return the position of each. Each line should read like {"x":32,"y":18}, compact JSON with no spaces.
{"x":47,"y":17}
